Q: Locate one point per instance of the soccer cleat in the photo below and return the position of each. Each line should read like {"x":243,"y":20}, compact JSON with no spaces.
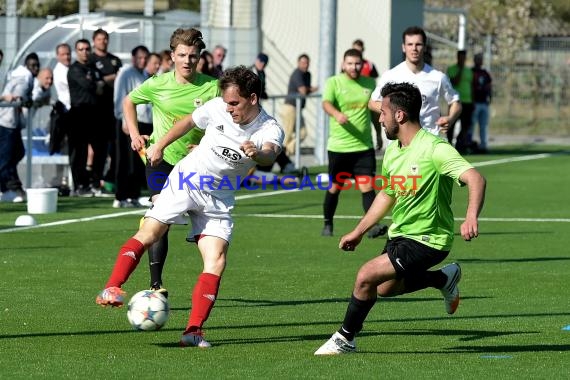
{"x":450,"y":291}
{"x":377,"y":230}
{"x":327,"y":230}
{"x":159,"y":289}
{"x":194,"y":340}
{"x":336,"y":345}
{"x":113,"y":296}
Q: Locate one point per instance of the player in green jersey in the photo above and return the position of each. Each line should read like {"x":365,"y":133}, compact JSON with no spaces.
{"x":173,"y":95}
{"x":422,"y":231}
{"x":349,"y":146}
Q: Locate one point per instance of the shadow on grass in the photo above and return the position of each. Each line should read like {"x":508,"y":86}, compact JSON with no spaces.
{"x":240,"y":302}
{"x":518,"y":260}
{"x":464,"y":335}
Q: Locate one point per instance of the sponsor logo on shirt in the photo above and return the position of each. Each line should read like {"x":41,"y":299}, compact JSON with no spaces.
{"x":220,"y":128}
{"x":198,"y":102}
{"x":227,"y":154}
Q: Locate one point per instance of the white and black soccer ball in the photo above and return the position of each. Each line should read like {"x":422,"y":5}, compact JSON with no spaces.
{"x":148,"y":310}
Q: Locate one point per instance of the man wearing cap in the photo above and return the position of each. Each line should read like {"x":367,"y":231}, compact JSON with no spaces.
{"x":259,"y":68}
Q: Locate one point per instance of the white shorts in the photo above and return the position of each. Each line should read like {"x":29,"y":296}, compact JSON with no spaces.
{"x":209,"y":215}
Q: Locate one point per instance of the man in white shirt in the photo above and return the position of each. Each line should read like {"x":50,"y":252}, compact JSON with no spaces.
{"x":238,"y":135}
{"x":63,"y":56}
{"x":434,"y":85}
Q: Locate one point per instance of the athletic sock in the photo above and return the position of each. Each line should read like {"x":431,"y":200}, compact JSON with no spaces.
{"x":356,"y":313}
{"x":368,"y":199}
{"x":203,"y":299}
{"x":329,"y":206}
{"x":428,"y":279}
{"x":156,"y":258}
{"x":126,"y":262}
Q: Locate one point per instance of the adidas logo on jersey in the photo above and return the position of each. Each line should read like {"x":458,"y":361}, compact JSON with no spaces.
{"x":220,"y":128}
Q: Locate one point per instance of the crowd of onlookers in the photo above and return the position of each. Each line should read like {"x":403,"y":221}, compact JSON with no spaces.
{"x":87,"y":117}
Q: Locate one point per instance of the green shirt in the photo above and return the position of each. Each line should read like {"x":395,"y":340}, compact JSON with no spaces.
{"x":465,"y":85}
{"x":422,"y":211}
{"x":351,"y":98}
{"x":170,"y":102}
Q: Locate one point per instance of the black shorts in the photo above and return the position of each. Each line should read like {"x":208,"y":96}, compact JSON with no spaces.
{"x":156,"y":176}
{"x":352,"y":164}
{"x":409,"y":256}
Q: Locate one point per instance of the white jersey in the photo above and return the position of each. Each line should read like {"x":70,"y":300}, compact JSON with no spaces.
{"x":218,"y":162}
{"x":433,"y":85}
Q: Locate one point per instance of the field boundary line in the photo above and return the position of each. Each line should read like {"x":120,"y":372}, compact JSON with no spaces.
{"x":291,"y":191}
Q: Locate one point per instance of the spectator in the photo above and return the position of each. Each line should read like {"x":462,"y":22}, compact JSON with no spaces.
{"x":166,"y":63}
{"x":482,"y":92}
{"x":258,"y":68}
{"x":85,"y":83}
{"x":299,"y":85}
{"x":350,"y":148}
{"x":19,"y":86}
{"x":206,"y":63}
{"x":219,"y":54}
{"x":462,"y":80}
{"x":434,"y":85}
{"x":152,"y":65}
{"x":130,"y":169}
{"x":108,"y":65}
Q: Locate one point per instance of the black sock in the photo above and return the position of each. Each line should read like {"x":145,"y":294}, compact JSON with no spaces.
{"x":429,"y":279}
{"x":156,"y":258}
{"x":368,"y":199}
{"x":329,"y":206}
{"x":356,"y":313}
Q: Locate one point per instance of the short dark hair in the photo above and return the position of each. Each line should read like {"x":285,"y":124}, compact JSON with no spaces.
{"x":414,"y":31}
{"x":31,"y":56}
{"x":138,"y":48}
{"x":63,"y":44}
{"x":247,"y":81}
{"x":353,"y":53}
{"x":100,"y":31}
{"x":82,"y":41}
{"x":405,"y":96}
{"x":303,"y":56}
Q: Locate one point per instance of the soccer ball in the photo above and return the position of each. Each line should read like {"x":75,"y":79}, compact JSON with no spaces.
{"x":148,"y":310}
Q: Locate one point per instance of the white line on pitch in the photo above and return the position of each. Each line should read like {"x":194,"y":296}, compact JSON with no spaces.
{"x":267,"y":194}
{"x":300,"y":216}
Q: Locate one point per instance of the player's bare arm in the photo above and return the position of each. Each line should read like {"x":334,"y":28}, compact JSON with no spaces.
{"x":380,"y":207}
{"x":264,"y":156}
{"x":374,"y":105}
{"x":332,"y":111}
{"x":454,"y":112}
{"x":138,"y":141}
{"x":180,"y":128}
{"x":476,"y":184}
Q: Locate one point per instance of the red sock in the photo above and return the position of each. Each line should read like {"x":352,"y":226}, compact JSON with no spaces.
{"x":203,"y":299}
{"x":127,"y":261}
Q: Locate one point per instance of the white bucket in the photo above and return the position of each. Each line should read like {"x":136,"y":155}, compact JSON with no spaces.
{"x":42,"y":201}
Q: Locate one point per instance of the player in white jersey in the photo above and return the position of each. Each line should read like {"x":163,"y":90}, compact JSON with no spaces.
{"x":238,"y":135}
{"x":434,"y":85}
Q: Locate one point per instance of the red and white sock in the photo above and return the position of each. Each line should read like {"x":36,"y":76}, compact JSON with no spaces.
{"x":127,"y":260}
{"x":203,"y":299}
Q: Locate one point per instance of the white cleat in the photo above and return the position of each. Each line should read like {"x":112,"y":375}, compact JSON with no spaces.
{"x":194,"y":340}
{"x":336,"y":345}
{"x":450,"y":291}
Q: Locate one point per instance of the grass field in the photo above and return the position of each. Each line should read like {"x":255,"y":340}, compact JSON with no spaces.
{"x":286,"y":288}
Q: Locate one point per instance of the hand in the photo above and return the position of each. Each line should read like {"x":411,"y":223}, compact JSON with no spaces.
{"x":138,"y":142}
{"x":154,"y":155}
{"x":341,"y":118}
{"x":443,"y":123}
{"x":250,"y":149}
{"x":469,"y":229}
{"x":349,"y":241}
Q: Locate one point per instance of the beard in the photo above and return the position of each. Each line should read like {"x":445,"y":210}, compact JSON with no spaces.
{"x":392,"y":133}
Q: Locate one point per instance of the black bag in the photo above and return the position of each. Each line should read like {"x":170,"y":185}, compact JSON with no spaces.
{"x":57,"y":127}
